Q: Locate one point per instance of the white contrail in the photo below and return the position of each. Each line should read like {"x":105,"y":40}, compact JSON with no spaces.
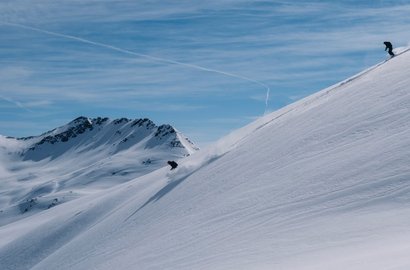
{"x":158,"y":59}
{"x":16,"y":103}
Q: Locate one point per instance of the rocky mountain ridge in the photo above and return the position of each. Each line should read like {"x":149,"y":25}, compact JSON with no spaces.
{"x":118,"y":134}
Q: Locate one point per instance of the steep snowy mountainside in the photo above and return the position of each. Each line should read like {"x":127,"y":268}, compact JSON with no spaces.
{"x":81,"y":157}
{"x":320,"y":184}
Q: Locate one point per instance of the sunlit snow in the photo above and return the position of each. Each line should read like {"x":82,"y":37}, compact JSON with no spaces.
{"x":321,"y":184}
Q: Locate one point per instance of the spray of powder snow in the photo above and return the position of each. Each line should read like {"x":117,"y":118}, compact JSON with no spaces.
{"x":154,"y":58}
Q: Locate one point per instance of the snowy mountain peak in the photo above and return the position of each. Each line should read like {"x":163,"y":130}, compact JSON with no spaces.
{"x":87,"y":134}
{"x":81,"y":157}
{"x":80,"y":120}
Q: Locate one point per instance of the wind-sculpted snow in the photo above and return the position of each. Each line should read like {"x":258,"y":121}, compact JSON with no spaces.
{"x":320,"y":184}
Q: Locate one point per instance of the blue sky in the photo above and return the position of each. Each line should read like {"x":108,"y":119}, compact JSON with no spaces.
{"x":294,"y":47}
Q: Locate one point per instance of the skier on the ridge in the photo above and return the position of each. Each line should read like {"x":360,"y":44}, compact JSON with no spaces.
{"x":390,"y":47}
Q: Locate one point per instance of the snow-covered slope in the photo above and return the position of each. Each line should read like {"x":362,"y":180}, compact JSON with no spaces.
{"x":321,"y":184}
{"x":79,"y":158}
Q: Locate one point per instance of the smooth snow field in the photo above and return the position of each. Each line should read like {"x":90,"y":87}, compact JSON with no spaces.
{"x":321,"y":184}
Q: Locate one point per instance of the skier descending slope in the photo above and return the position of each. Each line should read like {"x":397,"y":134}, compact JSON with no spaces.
{"x":389,"y":46}
{"x":173,"y":164}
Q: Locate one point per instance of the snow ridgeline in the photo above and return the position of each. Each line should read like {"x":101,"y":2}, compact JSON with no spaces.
{"x":320,"y":184}
{"x":235,"y":138}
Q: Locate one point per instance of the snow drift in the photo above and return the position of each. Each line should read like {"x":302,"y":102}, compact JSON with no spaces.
{"x":321,"y":184}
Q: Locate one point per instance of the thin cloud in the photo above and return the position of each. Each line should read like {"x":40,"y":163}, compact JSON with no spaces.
{"x":18,"y":104}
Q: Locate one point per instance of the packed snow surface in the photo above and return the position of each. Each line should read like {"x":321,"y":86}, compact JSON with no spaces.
{"x":321,"y":184}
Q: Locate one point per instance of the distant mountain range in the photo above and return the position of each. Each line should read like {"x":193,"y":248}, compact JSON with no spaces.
{"x":83,"y":156}
{"x":87,"y":134}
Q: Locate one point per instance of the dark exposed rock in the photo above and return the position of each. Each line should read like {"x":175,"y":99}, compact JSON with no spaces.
{"x":164,"y":130}
{"x":53,"y":203}
{"x":147,"y":161}
{"x":143,"y":122}
{"x":176,"y":143}
{"x":82,"y":125}
{"x":27,"y":205}
{"x":99,"y":121}
{"x":121,"y":120}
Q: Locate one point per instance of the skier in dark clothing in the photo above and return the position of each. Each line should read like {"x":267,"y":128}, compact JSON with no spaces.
{"x":389,"y":46}
{"x":173,"y":164}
